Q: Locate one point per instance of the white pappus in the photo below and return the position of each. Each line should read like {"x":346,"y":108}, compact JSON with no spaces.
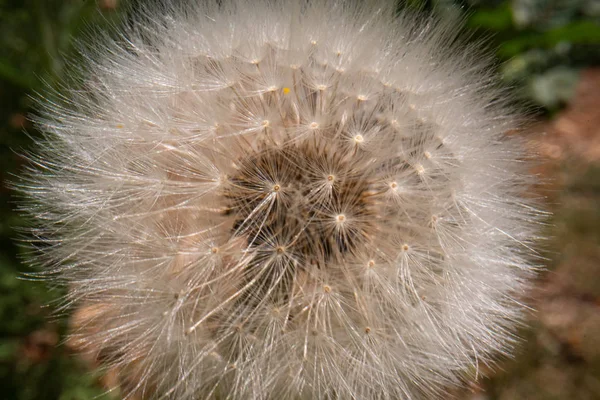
{"x":285,"y":200}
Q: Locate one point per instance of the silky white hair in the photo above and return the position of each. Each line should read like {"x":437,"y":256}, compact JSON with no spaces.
{"x":285,"y":200}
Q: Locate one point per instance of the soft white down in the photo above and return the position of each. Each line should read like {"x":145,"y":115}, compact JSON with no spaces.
{"x":285,"y":200}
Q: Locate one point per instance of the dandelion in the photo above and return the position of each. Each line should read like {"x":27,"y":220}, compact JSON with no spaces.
{"x":295,"y":200}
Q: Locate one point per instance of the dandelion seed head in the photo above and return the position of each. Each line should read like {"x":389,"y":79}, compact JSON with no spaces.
{"x":265,"y":200}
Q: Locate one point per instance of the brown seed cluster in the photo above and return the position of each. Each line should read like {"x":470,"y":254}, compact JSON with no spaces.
{"x":303,"y":200}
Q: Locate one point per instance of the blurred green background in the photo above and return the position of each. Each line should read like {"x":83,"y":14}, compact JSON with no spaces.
{"x":549,"y":52}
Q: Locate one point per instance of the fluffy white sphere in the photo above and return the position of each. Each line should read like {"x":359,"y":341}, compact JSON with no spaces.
{"x":295,"y":200}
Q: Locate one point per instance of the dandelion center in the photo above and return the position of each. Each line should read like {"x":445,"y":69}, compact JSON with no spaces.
{"x":297,"y":211}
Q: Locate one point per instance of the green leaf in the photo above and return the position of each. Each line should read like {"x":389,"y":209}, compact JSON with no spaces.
{"x":497,"y":19}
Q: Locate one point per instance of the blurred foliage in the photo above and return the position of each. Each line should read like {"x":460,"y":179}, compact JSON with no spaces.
{"x":543,"y":44}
